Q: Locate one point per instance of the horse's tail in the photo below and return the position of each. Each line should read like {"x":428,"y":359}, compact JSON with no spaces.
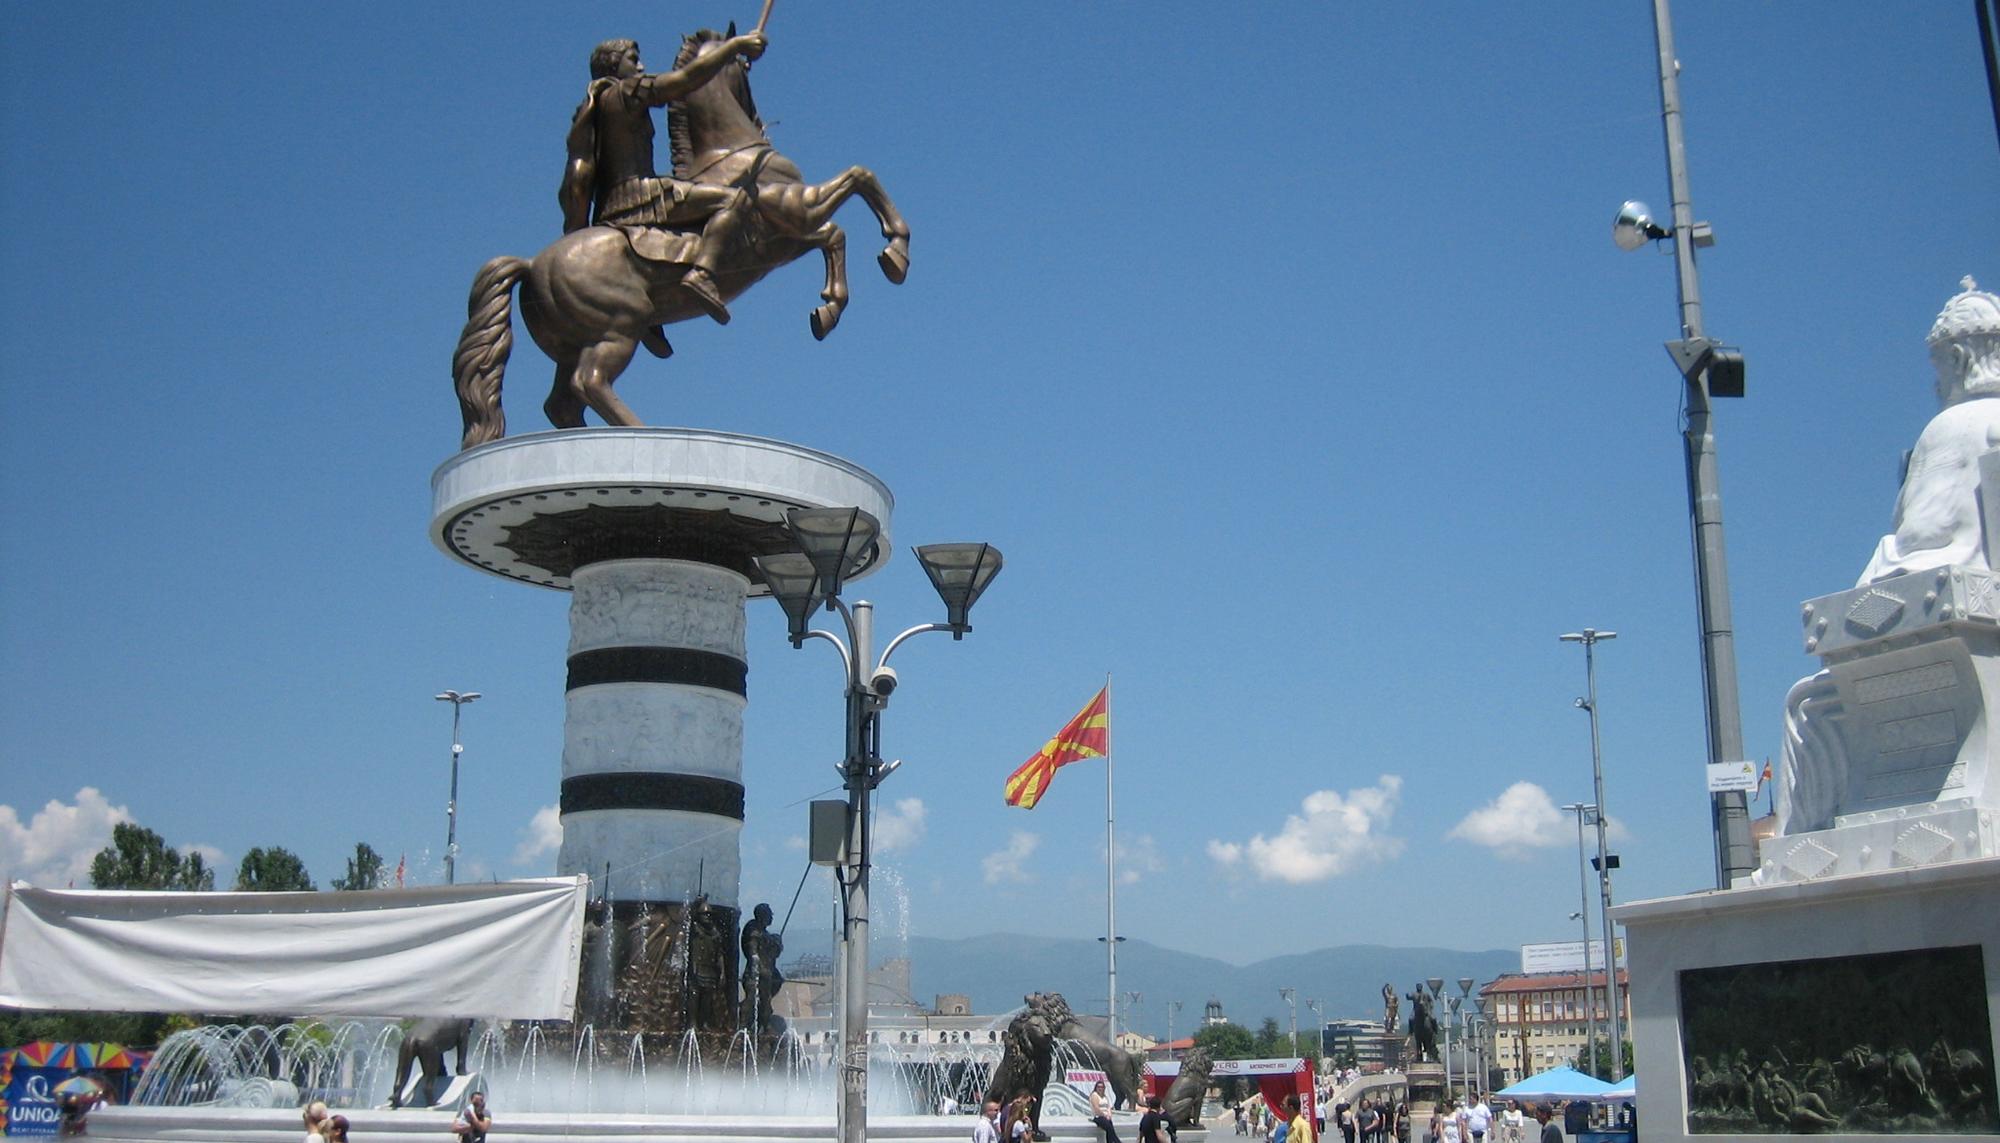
{"x":481,"y":361}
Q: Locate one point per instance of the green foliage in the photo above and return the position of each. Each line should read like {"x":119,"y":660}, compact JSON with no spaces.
{"x":273,"y":870}
{"x":1272,"y":1041}
{"x":1602,"y":1045}
{"x":1227,"y":1042}
{"x":138,"y":858}
{"x":364,"y":869}
{"x":133,"y":1029}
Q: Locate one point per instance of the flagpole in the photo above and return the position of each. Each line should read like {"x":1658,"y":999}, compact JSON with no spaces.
{"x":1110,"y":876}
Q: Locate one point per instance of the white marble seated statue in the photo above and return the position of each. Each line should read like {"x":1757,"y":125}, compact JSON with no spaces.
{"x":1938,"y":523}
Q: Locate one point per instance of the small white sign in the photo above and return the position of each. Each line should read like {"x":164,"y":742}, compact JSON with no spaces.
{"x":1729,"y":777}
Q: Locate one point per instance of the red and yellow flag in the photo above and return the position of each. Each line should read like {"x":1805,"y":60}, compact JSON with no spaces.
{"x":1088,"y":735}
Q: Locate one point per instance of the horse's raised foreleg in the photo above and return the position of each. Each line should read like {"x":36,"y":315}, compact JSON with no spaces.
{"x":596,"y":368}
{"x":800,"y":209}
{"x":564,"y":406}
{"x":832,"y":242}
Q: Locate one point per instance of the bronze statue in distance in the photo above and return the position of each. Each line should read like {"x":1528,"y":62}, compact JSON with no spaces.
{"x":643,"y":250}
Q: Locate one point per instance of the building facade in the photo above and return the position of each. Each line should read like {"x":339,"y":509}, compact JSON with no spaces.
{"x":1537,"y":1021}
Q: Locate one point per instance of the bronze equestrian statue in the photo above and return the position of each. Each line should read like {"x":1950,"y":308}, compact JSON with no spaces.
{"x":642,"y":250}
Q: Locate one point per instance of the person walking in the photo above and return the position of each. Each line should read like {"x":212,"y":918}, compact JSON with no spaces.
{"x":1550,"y":1132}
{"x":987,"y":1128}
{"x":1100,"y":1113}
{"x":1300,"y":1128}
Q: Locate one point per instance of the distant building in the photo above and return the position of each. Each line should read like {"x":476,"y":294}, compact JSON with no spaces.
{"x":1212,"y":1014}
{"x":1542,"y":1020}
{"x":1362,"y":1037}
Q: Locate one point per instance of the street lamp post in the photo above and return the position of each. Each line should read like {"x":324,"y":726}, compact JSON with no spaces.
{"x":1708,"y":370}
{"x":1590,"y":637}
{"x":831,"y":542}
{"x":1483,"y":1039}
{"x":1462,"y":1008}
{"x":1137,"y":998}
{"x":457,"y":701}
{"x":1319,"y":1032}
{"x":1173,"y":1007}
{"x":1583,"y":914}
{"x":1290,"y":996}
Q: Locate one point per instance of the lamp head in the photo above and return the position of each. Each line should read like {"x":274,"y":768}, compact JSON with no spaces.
{"x":794,"y":583}
{"x":1436,"y":984}
{"x":960,"y":573}
{"x":836,"y":540}
{"x":1634,"y":226}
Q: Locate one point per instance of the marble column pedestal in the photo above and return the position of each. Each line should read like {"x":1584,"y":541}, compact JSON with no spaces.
{"x":653,"y":532}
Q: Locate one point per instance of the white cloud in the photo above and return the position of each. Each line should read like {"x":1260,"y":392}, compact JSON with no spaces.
{"x":1137,"y":856}
{"x":901,"y":826}
{"x":1334,"y":835}
{"x":540,"y":837}
{"x":1007,"y":864}
{"x":54,"y":848}
{"x":1523,"y":818}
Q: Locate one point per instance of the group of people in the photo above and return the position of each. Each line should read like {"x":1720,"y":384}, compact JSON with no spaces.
{"x":1015,"y":1123}
{"x":470,"y":1126}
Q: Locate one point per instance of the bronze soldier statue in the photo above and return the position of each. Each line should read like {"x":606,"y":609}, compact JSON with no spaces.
{"x":609,"y":179}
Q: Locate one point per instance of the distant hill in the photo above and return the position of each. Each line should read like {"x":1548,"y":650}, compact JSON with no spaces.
{"x":996,"y":971}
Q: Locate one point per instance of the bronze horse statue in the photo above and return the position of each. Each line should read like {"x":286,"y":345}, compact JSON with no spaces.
{"x":589,"y":301}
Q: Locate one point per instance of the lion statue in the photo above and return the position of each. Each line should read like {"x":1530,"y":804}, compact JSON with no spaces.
{"x":1182,"y":1105}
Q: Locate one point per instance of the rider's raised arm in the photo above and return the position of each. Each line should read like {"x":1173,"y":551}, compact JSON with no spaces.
{"x":660,"y":90}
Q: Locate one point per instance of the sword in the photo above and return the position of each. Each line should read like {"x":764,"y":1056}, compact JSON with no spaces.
{"x":766,"y":17}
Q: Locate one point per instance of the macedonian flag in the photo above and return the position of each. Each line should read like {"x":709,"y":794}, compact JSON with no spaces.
{"x":1088,"y":735}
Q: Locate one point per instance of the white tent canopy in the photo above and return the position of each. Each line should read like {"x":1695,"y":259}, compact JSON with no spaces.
{"x":506,"y":950}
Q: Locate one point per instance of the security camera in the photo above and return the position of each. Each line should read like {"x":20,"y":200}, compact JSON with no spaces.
{"x":883,"y":683}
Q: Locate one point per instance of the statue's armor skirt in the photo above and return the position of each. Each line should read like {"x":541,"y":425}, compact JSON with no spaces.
{"x":654,"y":200}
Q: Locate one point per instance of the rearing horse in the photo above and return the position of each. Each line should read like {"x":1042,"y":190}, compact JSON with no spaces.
{"x":589,"y":301}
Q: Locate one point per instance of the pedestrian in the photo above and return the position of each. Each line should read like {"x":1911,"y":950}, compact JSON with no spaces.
{"x":1299,"y":1128}
{"x":1151,"y":1122}
{"x":1100,"y":1113}
{"x":1511,"y":1122}
{"x":1242,"y":1124}
{"x":1343,"y":1114}
{"x":336,"y":1129}
{"x":1368,"y":1120}
{"x":315,"y":1117}
{"x":1450,"y":1122}
{"x":1437,"y":1125}
{"x":475,"y":1121}
{"x":987,"y":1128}
{"x":1550,"y":1132}
{"x":1478,"y":1118}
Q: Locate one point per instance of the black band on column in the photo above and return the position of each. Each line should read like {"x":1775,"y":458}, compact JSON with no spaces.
{"x":683,"y":665}
{"x":692,"y":793}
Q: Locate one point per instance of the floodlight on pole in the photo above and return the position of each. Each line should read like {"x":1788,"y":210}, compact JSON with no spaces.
{"x":1708,"y":370}
{"x":1590,"y":637}
{"x":457,"y":700}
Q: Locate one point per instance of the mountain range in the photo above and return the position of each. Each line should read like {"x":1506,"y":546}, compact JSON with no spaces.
{"x":996,"y":971}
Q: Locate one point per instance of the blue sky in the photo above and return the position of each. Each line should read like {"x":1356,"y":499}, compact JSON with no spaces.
{"x":1282,"y":348}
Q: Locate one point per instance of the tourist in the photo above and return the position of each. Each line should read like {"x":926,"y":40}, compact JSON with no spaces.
{"x":1478,"y":1118}
{"x":1242,"y":1124}
{"x":315,"y":1117}
{"x":987,"y":1129}
{"x":1402,"y":1121}
{"x":1550,"y":1132}
{"x":1151,"y":1122}
{"x":1343,"y":1114}
{"x":1300,"y":1128}
{"x":1367,"y":1120}
{"x":475,"y":1121}
{"x":1437,"y":1124}
{"x":1100,"y":1113}
{"x":336,"y":1129}
{"x":1451,"y":1122}
{"x":1511,"y":1122}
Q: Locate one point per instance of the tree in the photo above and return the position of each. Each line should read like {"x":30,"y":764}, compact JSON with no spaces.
{"x":273,"y":870}
{"x":1273,"y":1042}
{"x":364,"y":869}
{"x":1602,"y":1071}
{"x":138,"y":858}
{"x":1226,"y":1042}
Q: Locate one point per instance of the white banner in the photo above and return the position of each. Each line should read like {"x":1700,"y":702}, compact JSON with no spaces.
{"x":502,"y":951}
{"x":1566,"y":956}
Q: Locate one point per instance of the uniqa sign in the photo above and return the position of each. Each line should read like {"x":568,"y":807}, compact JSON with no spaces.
{"x":31,"y":1105}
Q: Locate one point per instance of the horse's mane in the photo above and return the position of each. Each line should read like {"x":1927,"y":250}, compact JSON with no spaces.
{"x":679,"y":140}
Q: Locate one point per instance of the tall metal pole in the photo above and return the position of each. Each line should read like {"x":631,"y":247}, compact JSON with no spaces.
{"x":1110,"y":888}
{"x":1583,"y":913}
{"x":1730,"y":812}
{"x":862,"y":759}
{"x":1590,"y":638}
{"x":1290,"y":997}
{"x":457,"y":701}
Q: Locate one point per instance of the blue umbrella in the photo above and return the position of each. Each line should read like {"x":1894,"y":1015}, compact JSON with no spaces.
{"x":1629,"y":1086}
{"x":1559,"y":1083}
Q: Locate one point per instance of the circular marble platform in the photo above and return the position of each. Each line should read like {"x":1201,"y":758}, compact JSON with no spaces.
{"x":535,"y":507}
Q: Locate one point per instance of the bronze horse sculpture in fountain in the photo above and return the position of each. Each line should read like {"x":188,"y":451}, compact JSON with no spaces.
{"x":590,"y":299}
